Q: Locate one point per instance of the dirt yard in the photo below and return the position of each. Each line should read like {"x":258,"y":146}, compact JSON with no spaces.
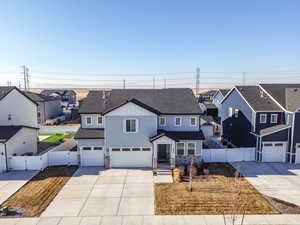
{"x":33,"y":198}
{"x":215,"y":195}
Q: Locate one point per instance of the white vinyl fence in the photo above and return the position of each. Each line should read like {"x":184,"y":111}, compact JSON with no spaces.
{"x":228,"y":154}
{"x":59,"y":155}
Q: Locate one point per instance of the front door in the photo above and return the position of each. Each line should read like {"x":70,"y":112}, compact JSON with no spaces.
{"x":163,"y":153}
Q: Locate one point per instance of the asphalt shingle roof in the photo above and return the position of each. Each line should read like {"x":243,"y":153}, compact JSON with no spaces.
{"x":179,"y":135}
{"x":162,"y":101}
{"x":287,"y":95}
{"x":4,"y":91}
{"x":84,"y":133}
{"x":224,"y":91}
{"x":273,"y":129}
{"x":39,"y":97}
{"x":257,"y":99}
{"x":6,"y":132}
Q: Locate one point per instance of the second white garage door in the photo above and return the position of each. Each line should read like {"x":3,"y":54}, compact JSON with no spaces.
{"x":92,"y":156}
{"x":131,"y":157}
{"x":274,"y":151}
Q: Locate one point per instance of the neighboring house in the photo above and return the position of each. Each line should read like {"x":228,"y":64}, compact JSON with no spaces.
{"x":67,"y":96}
{"x":139,"y":128}
{"x":210,"y":126}
{"x":265,"y":117}
{"x":218,"y":97}
{"x":206,"y":97}
{"x":49,"y":107}
{"x":18,"y":124}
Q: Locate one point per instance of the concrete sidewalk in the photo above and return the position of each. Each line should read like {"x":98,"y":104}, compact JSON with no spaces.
{"x":154,"y":220}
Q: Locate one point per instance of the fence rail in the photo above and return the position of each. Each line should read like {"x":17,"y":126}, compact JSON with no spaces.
{"x":228,"y":154}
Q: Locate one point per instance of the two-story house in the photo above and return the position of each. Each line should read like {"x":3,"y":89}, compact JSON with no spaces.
{"x":67,"y":97}
{"x":139,"y":128}
{"x":18,"y":124}
{"x":264,"y":117}
{"x":218,"y":97}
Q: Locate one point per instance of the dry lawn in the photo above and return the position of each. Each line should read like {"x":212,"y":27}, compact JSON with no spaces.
{"x":211,"y":196}
{"x":33,"y":198}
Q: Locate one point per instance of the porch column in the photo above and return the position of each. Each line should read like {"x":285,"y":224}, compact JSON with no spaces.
{"x":154,"y":162}
{"x":172,"y":156}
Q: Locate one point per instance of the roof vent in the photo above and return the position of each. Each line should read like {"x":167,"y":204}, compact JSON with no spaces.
{"x":261,"y":93}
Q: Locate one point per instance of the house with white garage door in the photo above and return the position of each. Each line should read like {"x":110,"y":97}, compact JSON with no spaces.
{"x":266,"y":117}
{"x":139,"y":128}
{"x":18,"y":125}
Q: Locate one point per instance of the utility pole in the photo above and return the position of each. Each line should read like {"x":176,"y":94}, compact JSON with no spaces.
{"x":153,"y":82}
{"x":197,"y":80}
{"x":124,"y":84}
{"x":244,"y":78}
{"x":165,"y":83}
{"x":25,"y":74}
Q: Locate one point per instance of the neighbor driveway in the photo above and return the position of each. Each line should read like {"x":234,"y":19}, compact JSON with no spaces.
{"x":279,"y":180}
{"x":93,"y":191}
{"x":12,"y":181}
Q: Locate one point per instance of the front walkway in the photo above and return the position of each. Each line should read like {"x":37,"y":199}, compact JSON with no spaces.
{"x":154,"y":220}
{"x":93,"y":191}
{"x":278,"y":180}
{"x":12,"y":181}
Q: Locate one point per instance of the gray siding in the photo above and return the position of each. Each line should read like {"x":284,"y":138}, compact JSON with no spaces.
{"x":115,"y":137}
{"x":185,"y":123}
{"x":278,"y":136}
{"x":217,"y":101}
{"x":53,"y":109}
{"x":94,"y":121}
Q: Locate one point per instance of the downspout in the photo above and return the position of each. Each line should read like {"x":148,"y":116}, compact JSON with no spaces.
{"x":6,"y":160}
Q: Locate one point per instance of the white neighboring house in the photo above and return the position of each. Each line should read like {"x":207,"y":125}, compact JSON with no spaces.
{"x":218,"y":97}
{"x":18,"y":124}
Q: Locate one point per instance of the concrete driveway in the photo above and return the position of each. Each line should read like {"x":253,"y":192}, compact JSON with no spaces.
{"x":12,"y":181}
{"x":279,"y":180}
{"x":93,"y":191}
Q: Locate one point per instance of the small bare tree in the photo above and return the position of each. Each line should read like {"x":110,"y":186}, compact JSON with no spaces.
{"x":191,"y":176}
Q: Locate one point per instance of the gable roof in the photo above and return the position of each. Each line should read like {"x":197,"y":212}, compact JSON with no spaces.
{"x":4,"y":91}
{"x":39,"y":97}
{"x":7,"y":132}
{"x":160,"y":101}
{"x":179,"y":135}
{"x":224,"y":91}
{"x":287,"y":95}
{"x":84,"y":133}
{"x":257,"y":99}
{"x":273,"y":129}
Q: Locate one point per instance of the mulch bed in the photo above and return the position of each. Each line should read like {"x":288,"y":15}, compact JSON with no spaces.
{"x":34,"y":197}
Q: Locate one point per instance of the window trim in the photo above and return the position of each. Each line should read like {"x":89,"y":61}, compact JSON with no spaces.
{"x":177,"y":125}
{"x":260,"y":118}
{"x":165,"y":119}
{"x":184,"y":153}
{"x":230,"y":112}
{"x":98,"y":120}
{"x":136,"y":126}
{"x":236,"y":113}
{"x":187,"y":148}
{"x":86,"y":120}
{"x":193,"y":117}
{"x":274,"y":116}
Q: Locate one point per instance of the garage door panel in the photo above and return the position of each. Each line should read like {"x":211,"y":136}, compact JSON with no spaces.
{"x":273,"y":152}
{"x":131,"y":159}
{"x":93,"y":157}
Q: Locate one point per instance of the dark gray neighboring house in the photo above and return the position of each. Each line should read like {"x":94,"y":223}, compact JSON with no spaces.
{"x":67,"y":96}
{"x":48,"y":107}
{"x":266,"y":117}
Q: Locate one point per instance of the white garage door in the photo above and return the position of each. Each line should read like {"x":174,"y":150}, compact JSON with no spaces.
{"x":131,"y":157}
{"x":92,"y":156}
{"x":273,"y":151}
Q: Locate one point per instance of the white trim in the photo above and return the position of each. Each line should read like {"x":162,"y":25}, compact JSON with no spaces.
{"x":260,"y":116}
{"x":92,"y":147}
{"x":165,"y":119}
{"x":292,"y":137}
{"x":236,"y":113}
{"x":180,"y":142}
{"x":244,"y":99}
{"x":86,"y":122}
{"x":228,"y":93}
{"x":193,"y":117}
{"x":276,"y":118}
{"x":136,"y":126}
{"x":101,"y":120}
{"x":178,"y":125}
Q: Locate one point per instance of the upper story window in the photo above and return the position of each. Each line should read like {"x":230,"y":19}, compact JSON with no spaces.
{"x":274,"y":118}
{"x":99,"y":120}
{"x":88,"y":120}
{"x":230,"y":112}
{"x":236,"y":113}
{"x":162,"y":121}
{"x":191,"y":148}
{"x":180,"y":148}
{"x":193,"y":121}
{"x":263,"y":118}
{"x":177,"y":121}
{"x":131,"y":126}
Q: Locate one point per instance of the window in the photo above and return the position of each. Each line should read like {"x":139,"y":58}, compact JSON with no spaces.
{"x":146,"y":149}
{"x":180,"y":148}
{"x":267,"y":144}
{"x":278,"y":144}
{"x":86,"y":148}
{"x":98,"y":148}
{"x":99,"y":120}
{"x":136,"y":149}
{"x":191,"y":149}
{"x":263,"y":118}
{"x":131,"y":126}
{"x":177,"y":121}
{"x":162,"y":121}
{"x":230,"y":111}
{"x":236,"y":113}
{"x":193,"y":121}
{"x":274,"y":118}
{"x":115,"y":149}
{"x":126,"y":149}
{"x":88,"y":120}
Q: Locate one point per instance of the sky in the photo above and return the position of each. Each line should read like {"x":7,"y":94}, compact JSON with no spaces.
{"x":95,"y":43}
